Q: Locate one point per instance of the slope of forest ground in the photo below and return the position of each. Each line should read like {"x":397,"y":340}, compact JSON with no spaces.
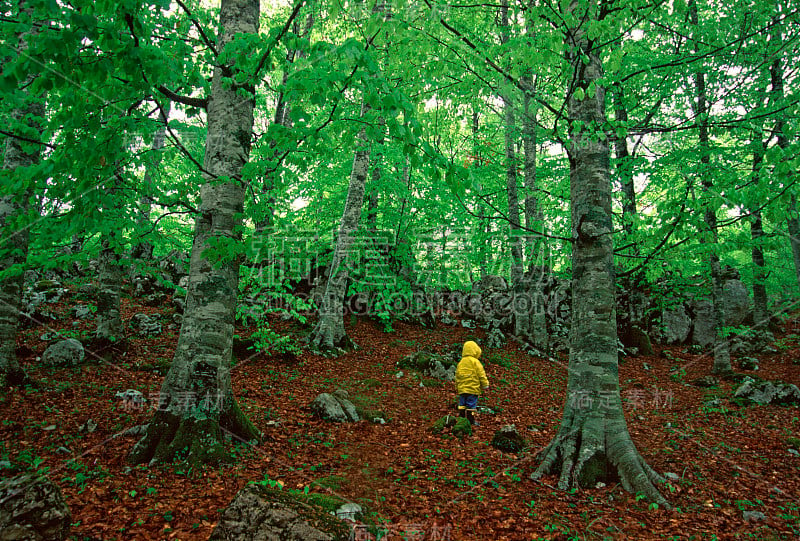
{"x":729,"y":458}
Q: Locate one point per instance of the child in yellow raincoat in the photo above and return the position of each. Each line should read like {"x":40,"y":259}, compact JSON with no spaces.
{"x":470,"y":381}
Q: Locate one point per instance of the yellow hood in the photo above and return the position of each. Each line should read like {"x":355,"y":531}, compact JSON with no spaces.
{"x":471,"y":349}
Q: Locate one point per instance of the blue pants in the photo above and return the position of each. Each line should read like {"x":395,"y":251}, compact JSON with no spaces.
{"x":469,"y":401}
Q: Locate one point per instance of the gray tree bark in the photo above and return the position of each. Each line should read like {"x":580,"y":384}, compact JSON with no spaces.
{"x":197,"y":402}
{"x":109,"y":285}
{"x":624,"y":167}
{"x":142,"y":249}
{"x":22,"y":155}
{"x":329,"y":335}
{"x":722,"y":355}
{"x":793,"y":218}
{"x":593,"y":443}
{"x":522,"y":320}
{"x":538,"y":266}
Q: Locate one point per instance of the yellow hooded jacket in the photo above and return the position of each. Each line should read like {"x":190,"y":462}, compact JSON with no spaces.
{"x":470,"y":376}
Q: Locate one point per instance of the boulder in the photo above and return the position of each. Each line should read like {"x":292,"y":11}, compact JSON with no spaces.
{"x":735,"y":302}
{"x":145,"y":325}
{"x":703,"y":331}
{"x":508,"y":440}
{"x":436,"y":366}
{"x":675,"y":325}
{"x":82,"y":311}
{"x":259,"y":513}
{"x":768,"y":392}
{"x":32,"y":509}
{"x":335,"y":407}
{"x":67,"y":352}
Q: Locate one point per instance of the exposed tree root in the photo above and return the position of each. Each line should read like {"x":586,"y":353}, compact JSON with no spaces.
{"x":591,"y":449}
{"x":192,"y":438}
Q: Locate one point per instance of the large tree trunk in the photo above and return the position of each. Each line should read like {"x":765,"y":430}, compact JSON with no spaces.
{"x":593,"y":443}
{"x":22,"y":155}
{"x":329,"y":335}
{"x":197,"y":402}
{"x":722,"y":356}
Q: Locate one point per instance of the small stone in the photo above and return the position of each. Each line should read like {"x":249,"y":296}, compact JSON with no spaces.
{"x":399,"y":374}
{"x":646,"y":366}
{"x":600,"y":484}
{"x":64,"y":451}
{"x":672,"y":476}
{"x":379,"y":420}
{"x":753,"y":516}
{"x":349,"y":511}
{"x":794,"y":452}
{"x":88,"y":427}
{"x":49,"y":428}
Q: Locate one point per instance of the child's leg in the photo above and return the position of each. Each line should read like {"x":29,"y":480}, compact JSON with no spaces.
{"x":462,"y":405}
{"x":471,"y":404}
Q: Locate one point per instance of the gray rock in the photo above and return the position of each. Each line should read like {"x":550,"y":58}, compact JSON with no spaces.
{"x":753,"y":516}
{"x":349,"y":511}
{"x":675,"y":325}
{"x":145,"y":325}
{"x":703,"y":331}
{"x":82,"y":312}
{"x":439,"y":371}
{"x":67,"y":352}
{"x":735,"y":302}
{"x":258,"y":513}
{"x":88,"y":427}
{"x":672,"y":476}
{"x":32,"y":509}
{"x":179,"y":303}
{"x":508,"y":440}
{"x":131,"y":399}
{"x":768,"y":392}
{"x":748,"y":363}
{"x":334,"y":408}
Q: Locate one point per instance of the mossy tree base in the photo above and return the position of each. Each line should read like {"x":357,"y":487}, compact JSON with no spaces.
{"x":193,"y":439}
{"x":589,"y":450}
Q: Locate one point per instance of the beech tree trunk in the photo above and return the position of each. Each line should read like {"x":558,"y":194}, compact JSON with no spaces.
{"x":624,"y":167}
{"x":329,"y":335}
{"x":196,"y":402}
{"x":793,"y":219}
{"x":722,"y":355}
{"x":593,"y":443}
{"x":22,"y":155}
{"x":142,"y":249}
{"x":538,"y":266}
{"x":109,"y":285}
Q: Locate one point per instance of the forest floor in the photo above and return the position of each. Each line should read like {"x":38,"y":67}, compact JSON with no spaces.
{"x":729,"y":457}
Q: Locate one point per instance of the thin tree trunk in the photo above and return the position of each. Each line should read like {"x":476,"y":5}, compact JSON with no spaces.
{"x":793,"y":218}
{"x":282,"y":117}
{"x":538,"y":259}
{"x":197,"y":402}
{"x":793,"y":226}
{"x":722,"y":356}
{"x":485,"y":246}
{"x":142,"y":249}
{"x":593,"y":443}
{"x":372,"y":202}
{"x":109,"y":282}
{"x":624,"y":167}
{"x":329,"y":335}
{"x":521,"y":316}
{"x":21,"y":157}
